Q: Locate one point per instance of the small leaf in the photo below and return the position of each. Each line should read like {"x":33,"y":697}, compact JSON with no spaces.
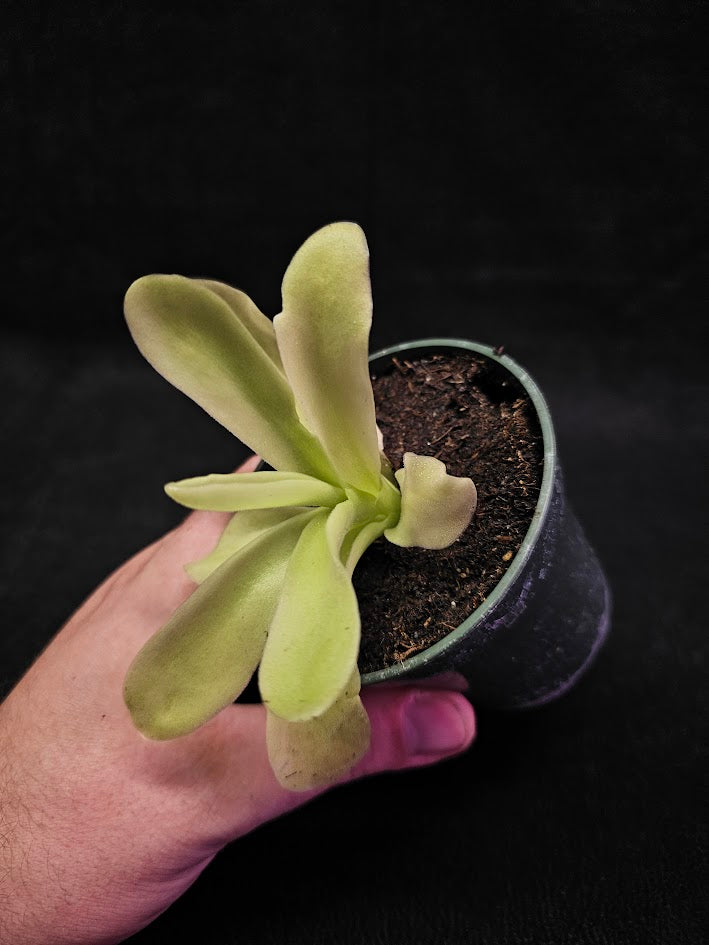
{"x":435,"y":508}
{"x":314,"y":636}
{"x":205,"y":655}
{"x":362,"y":539}
{"x":323,"y":335}
{"x":193,"y":338}
{"x":242,"y":528}
{"x":306,"y":755}
{"x":232,"y":492}
{"x":370,"y":519}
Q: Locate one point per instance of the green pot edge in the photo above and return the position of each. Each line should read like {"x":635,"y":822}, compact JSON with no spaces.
{"x":417,"y":663}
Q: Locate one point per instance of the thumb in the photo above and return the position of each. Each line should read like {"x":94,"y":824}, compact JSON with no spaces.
{"x":411,"y":727}
{"x":414,"y":726}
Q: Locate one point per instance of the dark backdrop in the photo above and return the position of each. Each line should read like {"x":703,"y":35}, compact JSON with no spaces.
{"x":527,"y":174}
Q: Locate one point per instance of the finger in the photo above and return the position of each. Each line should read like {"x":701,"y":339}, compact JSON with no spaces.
{"x":414,"y":726}
{"x":410,"y":728}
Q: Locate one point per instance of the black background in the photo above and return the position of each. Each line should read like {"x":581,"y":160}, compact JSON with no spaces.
{"x":533,"y":175}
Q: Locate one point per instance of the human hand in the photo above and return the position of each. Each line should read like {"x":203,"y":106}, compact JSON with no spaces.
{"x":100,"y":828}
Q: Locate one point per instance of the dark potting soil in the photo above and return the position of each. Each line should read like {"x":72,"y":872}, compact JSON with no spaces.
{"x":473,"y":415}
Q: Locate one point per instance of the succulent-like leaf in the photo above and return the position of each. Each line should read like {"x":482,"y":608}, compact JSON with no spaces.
{"x":194,"y":339}
{"x":366,"y":535}
{"x":435,"y":508}
{"x":258,"y":324}
{"x":314,"y":636}
{"x":242,"y":528}
{"x":205,"y":655}
{"x":232,"y":492}
{"x":370,"y":519}
{"x":323,"y":335}
{"x":306,"y":755}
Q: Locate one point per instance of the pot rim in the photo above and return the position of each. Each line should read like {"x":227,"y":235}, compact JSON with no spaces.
{"x":419,"y":660}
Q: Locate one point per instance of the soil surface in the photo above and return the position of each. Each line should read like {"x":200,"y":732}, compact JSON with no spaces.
{"x":473,"y":415}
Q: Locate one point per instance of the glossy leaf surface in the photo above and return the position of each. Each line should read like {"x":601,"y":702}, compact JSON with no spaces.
{"x":232,"y":492}
{"x":323,"y":336}
{"x":260,"y":327}
{"x":314,"y":637}
{"x":205,"y":655}
{"x":435,"y":508}
{"x":306,"y":755}
{"x":242,"y":528}
{"x":195,"y":340}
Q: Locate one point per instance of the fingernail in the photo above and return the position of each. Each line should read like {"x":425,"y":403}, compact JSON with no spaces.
{"x":434,"y":724}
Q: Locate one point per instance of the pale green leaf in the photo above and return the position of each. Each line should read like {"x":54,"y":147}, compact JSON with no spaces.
{"x":323,"y":336}
{"x":232,"y":492}
{"x":193,"y":338}
{"x":365,"y":535}
{"x":242,"y":528}
{"x":258,"y":324}
{"x":370,"y":517}
{"x":205,"y":655}
{"x":314,"y":636}
{"x":312,"y":754}
{"x":435,"y":508}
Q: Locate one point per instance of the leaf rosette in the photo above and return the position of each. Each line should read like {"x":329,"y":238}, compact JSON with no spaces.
{"x":276,"y":593}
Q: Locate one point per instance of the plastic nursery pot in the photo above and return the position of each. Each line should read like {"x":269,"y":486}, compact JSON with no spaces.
{"x":542,"y":625}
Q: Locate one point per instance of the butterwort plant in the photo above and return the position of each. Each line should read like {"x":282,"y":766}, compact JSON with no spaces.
{"x":276,"y":592}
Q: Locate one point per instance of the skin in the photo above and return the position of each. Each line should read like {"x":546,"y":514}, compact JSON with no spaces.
{"x":102,"y":829}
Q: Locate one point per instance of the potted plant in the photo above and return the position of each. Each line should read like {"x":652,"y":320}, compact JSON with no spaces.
{"x":276,"y":593}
